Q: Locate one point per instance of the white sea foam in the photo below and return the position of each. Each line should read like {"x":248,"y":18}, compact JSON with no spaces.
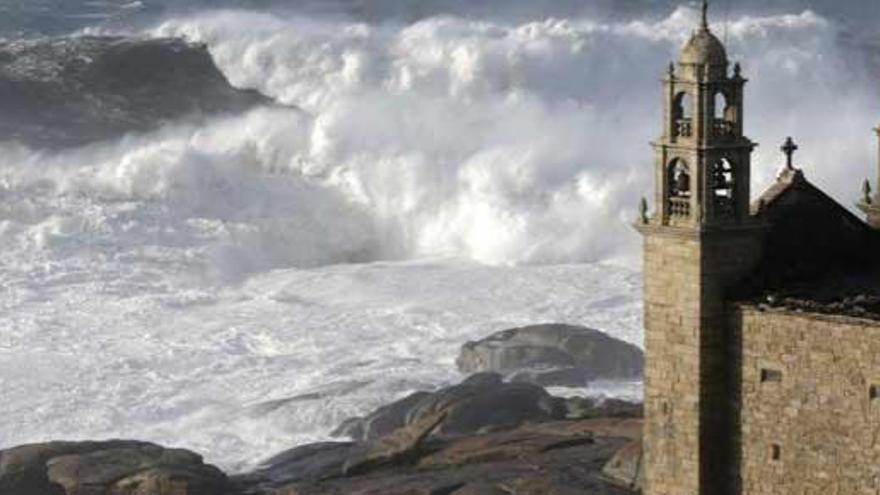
{"x":170,"y":286}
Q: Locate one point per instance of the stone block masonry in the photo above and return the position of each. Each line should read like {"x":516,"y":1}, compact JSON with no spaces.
{"x":810,"y":418}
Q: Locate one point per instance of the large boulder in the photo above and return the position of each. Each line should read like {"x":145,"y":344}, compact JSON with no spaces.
{"x":114,"y":467}
{"x":482,"y":403}
{"x":553,"y":355}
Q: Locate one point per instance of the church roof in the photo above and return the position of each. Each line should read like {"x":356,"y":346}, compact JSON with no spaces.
{"x":818,"y":256}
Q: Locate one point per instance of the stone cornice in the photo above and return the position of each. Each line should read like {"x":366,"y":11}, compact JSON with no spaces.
{"x":744,"y":143}
{"x":752,"y":228}
{"x":829,"y":317}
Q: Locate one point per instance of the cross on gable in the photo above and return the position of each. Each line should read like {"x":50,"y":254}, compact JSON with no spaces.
{"x":789,"y":148}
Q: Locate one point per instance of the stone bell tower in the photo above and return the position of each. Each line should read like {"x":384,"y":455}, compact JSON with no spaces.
{"x":700,"y":240}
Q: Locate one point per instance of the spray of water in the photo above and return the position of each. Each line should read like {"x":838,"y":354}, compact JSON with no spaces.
{"x":501,"y":142}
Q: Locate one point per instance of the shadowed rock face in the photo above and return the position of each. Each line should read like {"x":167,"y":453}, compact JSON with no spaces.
{"x":63,"y":92}
{"x":549,"y":355}
{"x":115,"y":467}
{"x":483,"y":402}
{"x":553,"y":458}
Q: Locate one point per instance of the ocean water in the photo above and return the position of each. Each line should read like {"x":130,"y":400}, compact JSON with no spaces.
{"x":238,"y":279}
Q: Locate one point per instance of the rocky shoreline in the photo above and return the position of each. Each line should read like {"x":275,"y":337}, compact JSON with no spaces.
{"x":484,"y":436}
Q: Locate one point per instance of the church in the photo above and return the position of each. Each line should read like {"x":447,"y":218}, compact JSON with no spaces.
{"x":762,"y":317}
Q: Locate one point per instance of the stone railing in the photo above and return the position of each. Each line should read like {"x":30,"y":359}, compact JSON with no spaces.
{"x":679,"y":207}
{"x":725,"y":208}
{"x":684,"y":128}
{"x":722,"y":128}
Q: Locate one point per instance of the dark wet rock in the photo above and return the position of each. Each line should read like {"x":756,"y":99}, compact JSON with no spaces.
{"x":548,"y":355}
{"x":483,"y":402}
{"x":317,"y":462}
{"x":481,"y":437}
{"x":384,"y":420}
{"x":308,"y":462}
{"x":70,"y":91}
{"x":115,"y":467}
{"x":553,"y":458}
{"x":400,"y":447}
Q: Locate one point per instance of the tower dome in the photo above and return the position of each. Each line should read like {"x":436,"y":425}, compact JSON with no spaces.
{"x":704,"y":54}
{"x":704,"y":48}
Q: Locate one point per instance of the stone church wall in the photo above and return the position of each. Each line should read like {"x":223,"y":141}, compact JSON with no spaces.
{"x":810,"y":415}
{"x":672,"y":381}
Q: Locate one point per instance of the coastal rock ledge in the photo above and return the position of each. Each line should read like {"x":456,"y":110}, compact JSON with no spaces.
{"x":483,"y":436}
{"x":107,"y":468}
{"x":553,"y":355}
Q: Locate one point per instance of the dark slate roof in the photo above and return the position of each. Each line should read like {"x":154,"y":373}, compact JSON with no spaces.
{"x":818,"y":256}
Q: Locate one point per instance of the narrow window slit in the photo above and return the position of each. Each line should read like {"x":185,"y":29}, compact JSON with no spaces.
{"x":776,"y":452}
{"x":770,"y":376}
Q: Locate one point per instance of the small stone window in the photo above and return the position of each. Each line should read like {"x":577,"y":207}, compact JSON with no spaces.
{"x":874,"y":394}
{"x":770,"y":376}
{"x":775,"y":452}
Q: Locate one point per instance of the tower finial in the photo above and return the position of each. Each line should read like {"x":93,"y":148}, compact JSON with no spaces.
{"x":704,"y":22}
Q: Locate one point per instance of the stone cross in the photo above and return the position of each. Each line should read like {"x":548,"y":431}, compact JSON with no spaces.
{"x":789,"y":148}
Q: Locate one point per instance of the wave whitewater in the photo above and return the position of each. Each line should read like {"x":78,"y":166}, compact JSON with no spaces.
{"x":162,"y":284}
{"x":500,"y":143}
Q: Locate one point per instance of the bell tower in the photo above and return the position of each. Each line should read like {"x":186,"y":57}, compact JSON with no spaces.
{"x":703,"y":159}
{"x":699,"y":242}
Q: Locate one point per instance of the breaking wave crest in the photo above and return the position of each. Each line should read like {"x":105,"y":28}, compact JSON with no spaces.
{"x":501,"y":143}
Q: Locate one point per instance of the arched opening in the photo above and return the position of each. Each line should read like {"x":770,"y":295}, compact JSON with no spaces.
{"x":723,"y":188}
{"x":724,"y":115}
{"x":683,"y":106}
{"x":682,"y":114}
{"x":720,"y":105}
{"x":678,"y":177}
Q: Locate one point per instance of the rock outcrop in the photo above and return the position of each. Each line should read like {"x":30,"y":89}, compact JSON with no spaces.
{"x":482,"y":403}
{"x":114,"y":467}
{"x":71,"y":91}
{"x":553,"y":458}
{"x":553,"y":354}
{"x":481,"y":437}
